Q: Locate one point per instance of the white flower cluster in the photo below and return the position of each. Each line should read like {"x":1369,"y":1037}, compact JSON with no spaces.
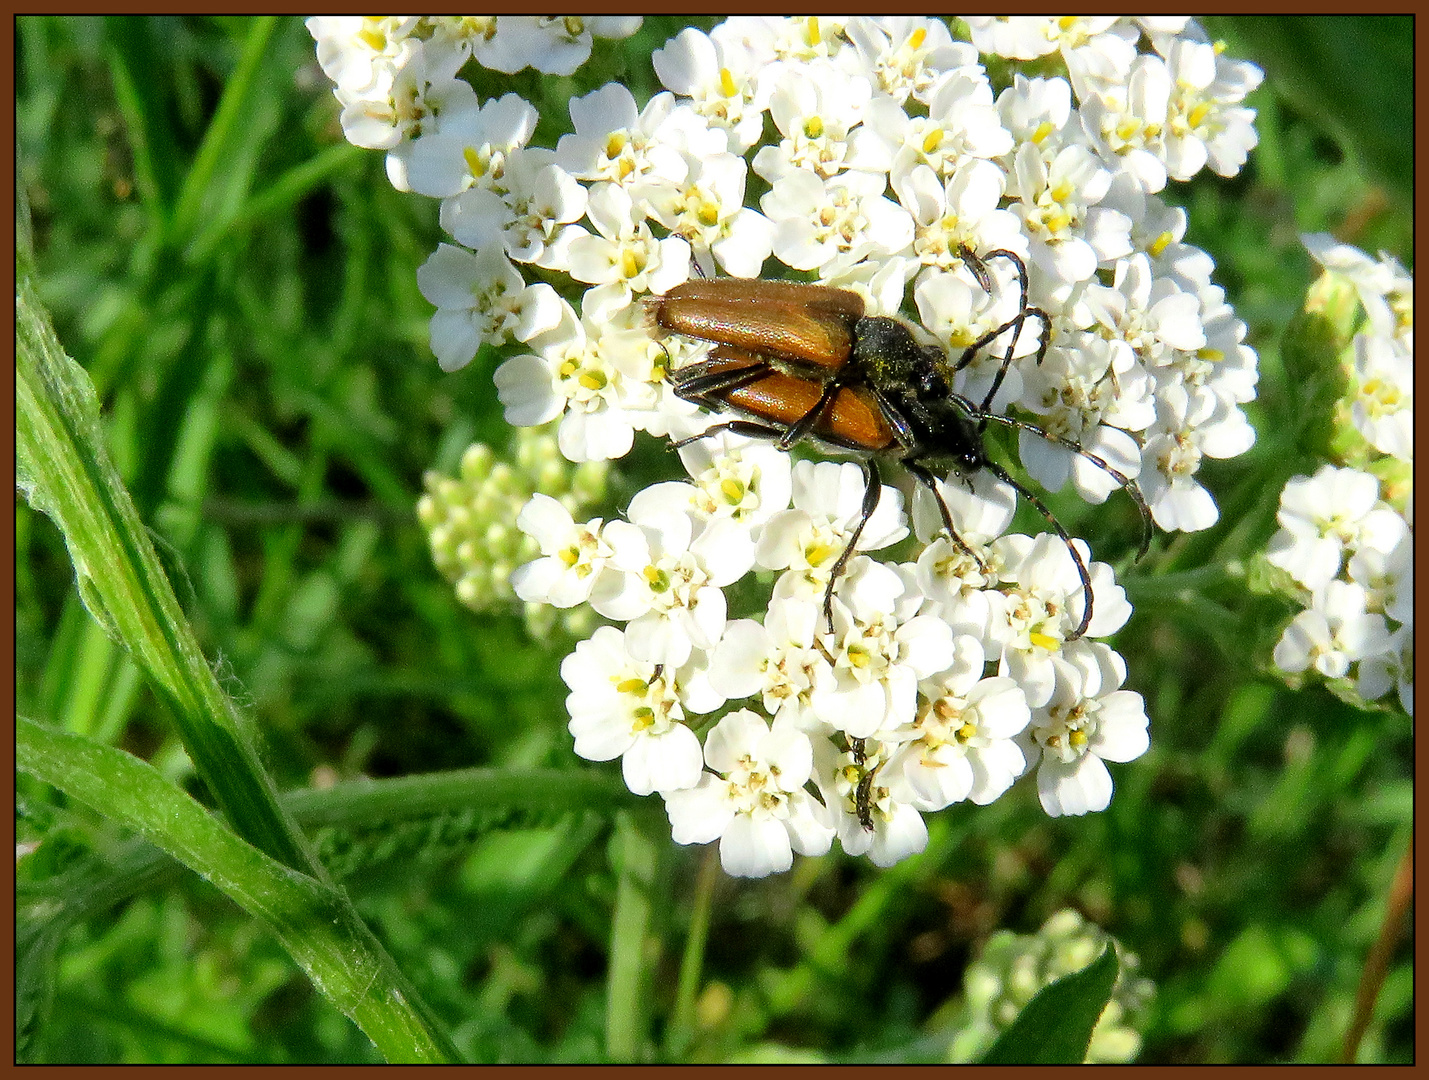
{"x":1013,"y":967}
{"x":1347,"y":535}
{"x":892,"y":158}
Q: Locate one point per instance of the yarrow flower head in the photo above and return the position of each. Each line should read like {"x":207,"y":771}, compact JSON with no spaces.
{"x":1012,"y":967}
{"x":886,"y":671}
{"x":469,"y":520}
{"x":1344,"y":550}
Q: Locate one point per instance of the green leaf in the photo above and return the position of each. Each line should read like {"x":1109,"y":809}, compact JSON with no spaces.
{"x":62,"y":468}
{"x":314,"y":920}
{"x":1056,"y":1026}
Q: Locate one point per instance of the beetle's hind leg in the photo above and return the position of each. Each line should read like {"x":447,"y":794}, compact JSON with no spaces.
{"x":1041,"y":507}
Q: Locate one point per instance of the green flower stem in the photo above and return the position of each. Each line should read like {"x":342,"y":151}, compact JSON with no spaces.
{"x":404,"y":798}
{"x":312,"y":919}
{"x":682,"y":1024}
{"x":140,"y":866}
{"x":64,"y":470}
{"x":636,"y":858}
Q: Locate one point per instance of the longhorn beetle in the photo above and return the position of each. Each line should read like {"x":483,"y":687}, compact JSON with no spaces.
{"x":804,"y":361}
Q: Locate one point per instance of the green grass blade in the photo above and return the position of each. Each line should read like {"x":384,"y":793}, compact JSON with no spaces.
{"x":222,"y":132}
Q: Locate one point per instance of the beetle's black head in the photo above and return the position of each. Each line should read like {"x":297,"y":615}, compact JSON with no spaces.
{"x":951,"y":434}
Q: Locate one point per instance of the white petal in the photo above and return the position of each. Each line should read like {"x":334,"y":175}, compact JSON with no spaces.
{"x":753,"y":847}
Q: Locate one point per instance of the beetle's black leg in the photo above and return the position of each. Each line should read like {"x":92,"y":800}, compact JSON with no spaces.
{"x":748,"y":428}
{"x":1015,"y":324}
{"x":698,"y":381}
{"x":805,"y":424}
{"x":1003,"y":475}
{"x":1127,"y":484}
{"x":928,"y":480}
{"x":873,"y":488}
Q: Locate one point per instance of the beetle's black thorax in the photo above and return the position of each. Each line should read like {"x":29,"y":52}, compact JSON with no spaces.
{"x":911,"y":382}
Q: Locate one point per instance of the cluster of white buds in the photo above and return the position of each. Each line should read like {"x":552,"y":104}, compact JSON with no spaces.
{"x":945,"y":676}
{"x":470,"y":519}
{"x":1346,"y":539}
{"x":1013,"y":967}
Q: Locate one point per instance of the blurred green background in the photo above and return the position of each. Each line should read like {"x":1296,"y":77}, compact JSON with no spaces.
{"x":246,"y":304}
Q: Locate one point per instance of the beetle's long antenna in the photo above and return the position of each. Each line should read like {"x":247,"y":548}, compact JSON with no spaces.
{"x":1003,"y":475}
{"x":1127,"y":484}
{"x":1015,"y":324}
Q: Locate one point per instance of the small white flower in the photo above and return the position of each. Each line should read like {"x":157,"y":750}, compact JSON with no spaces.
{"x":530,"y":216}
{"x":616,"y":143}
{"x":961,"y":745}
{"x":807,"y":540}
{"x":1153,"y":315}
{"x":818,"y":110}
{"x":1035,"y":617}
{"x":1086,"y":722}
{"x":1323,"y":515}
{"x":1388,"y":578}
{"x":470,"y":148}
{"x":959,"y":212}
{"x":1038,"y":113}
{"x":818,"y":222}
{"x":357,"y":51}
{"x":575,"y":556}
{"x":1128,"y":121}
{"x":626,"y":708}
{"x":906,"y":54}
{"x":1333,"y":633}
{"x":1373,"y":280}
{"x":856,"y":798}
{"x":626,"y":254}
{"x":955,"y":583}
{"x":674,"y":568}
{"x":481,"y":299}
{"x":1383,"y":406}
{"x":1389,"y":670}
{"x":405,"y":104}
{"x":554,"y":45}
{"x":723,"y":81}
{"x":1069,"y":233}
{"x":708,"y":211}
{"x":756,"y":806}
{"x":597,"y":371}
{"x":748,"y":480}
{"x":779,"y":661}
{"x":1171,"y":456}
{"x":962,"y":126}
{"x":879,"y":652}
{"x":1203,"y":124}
